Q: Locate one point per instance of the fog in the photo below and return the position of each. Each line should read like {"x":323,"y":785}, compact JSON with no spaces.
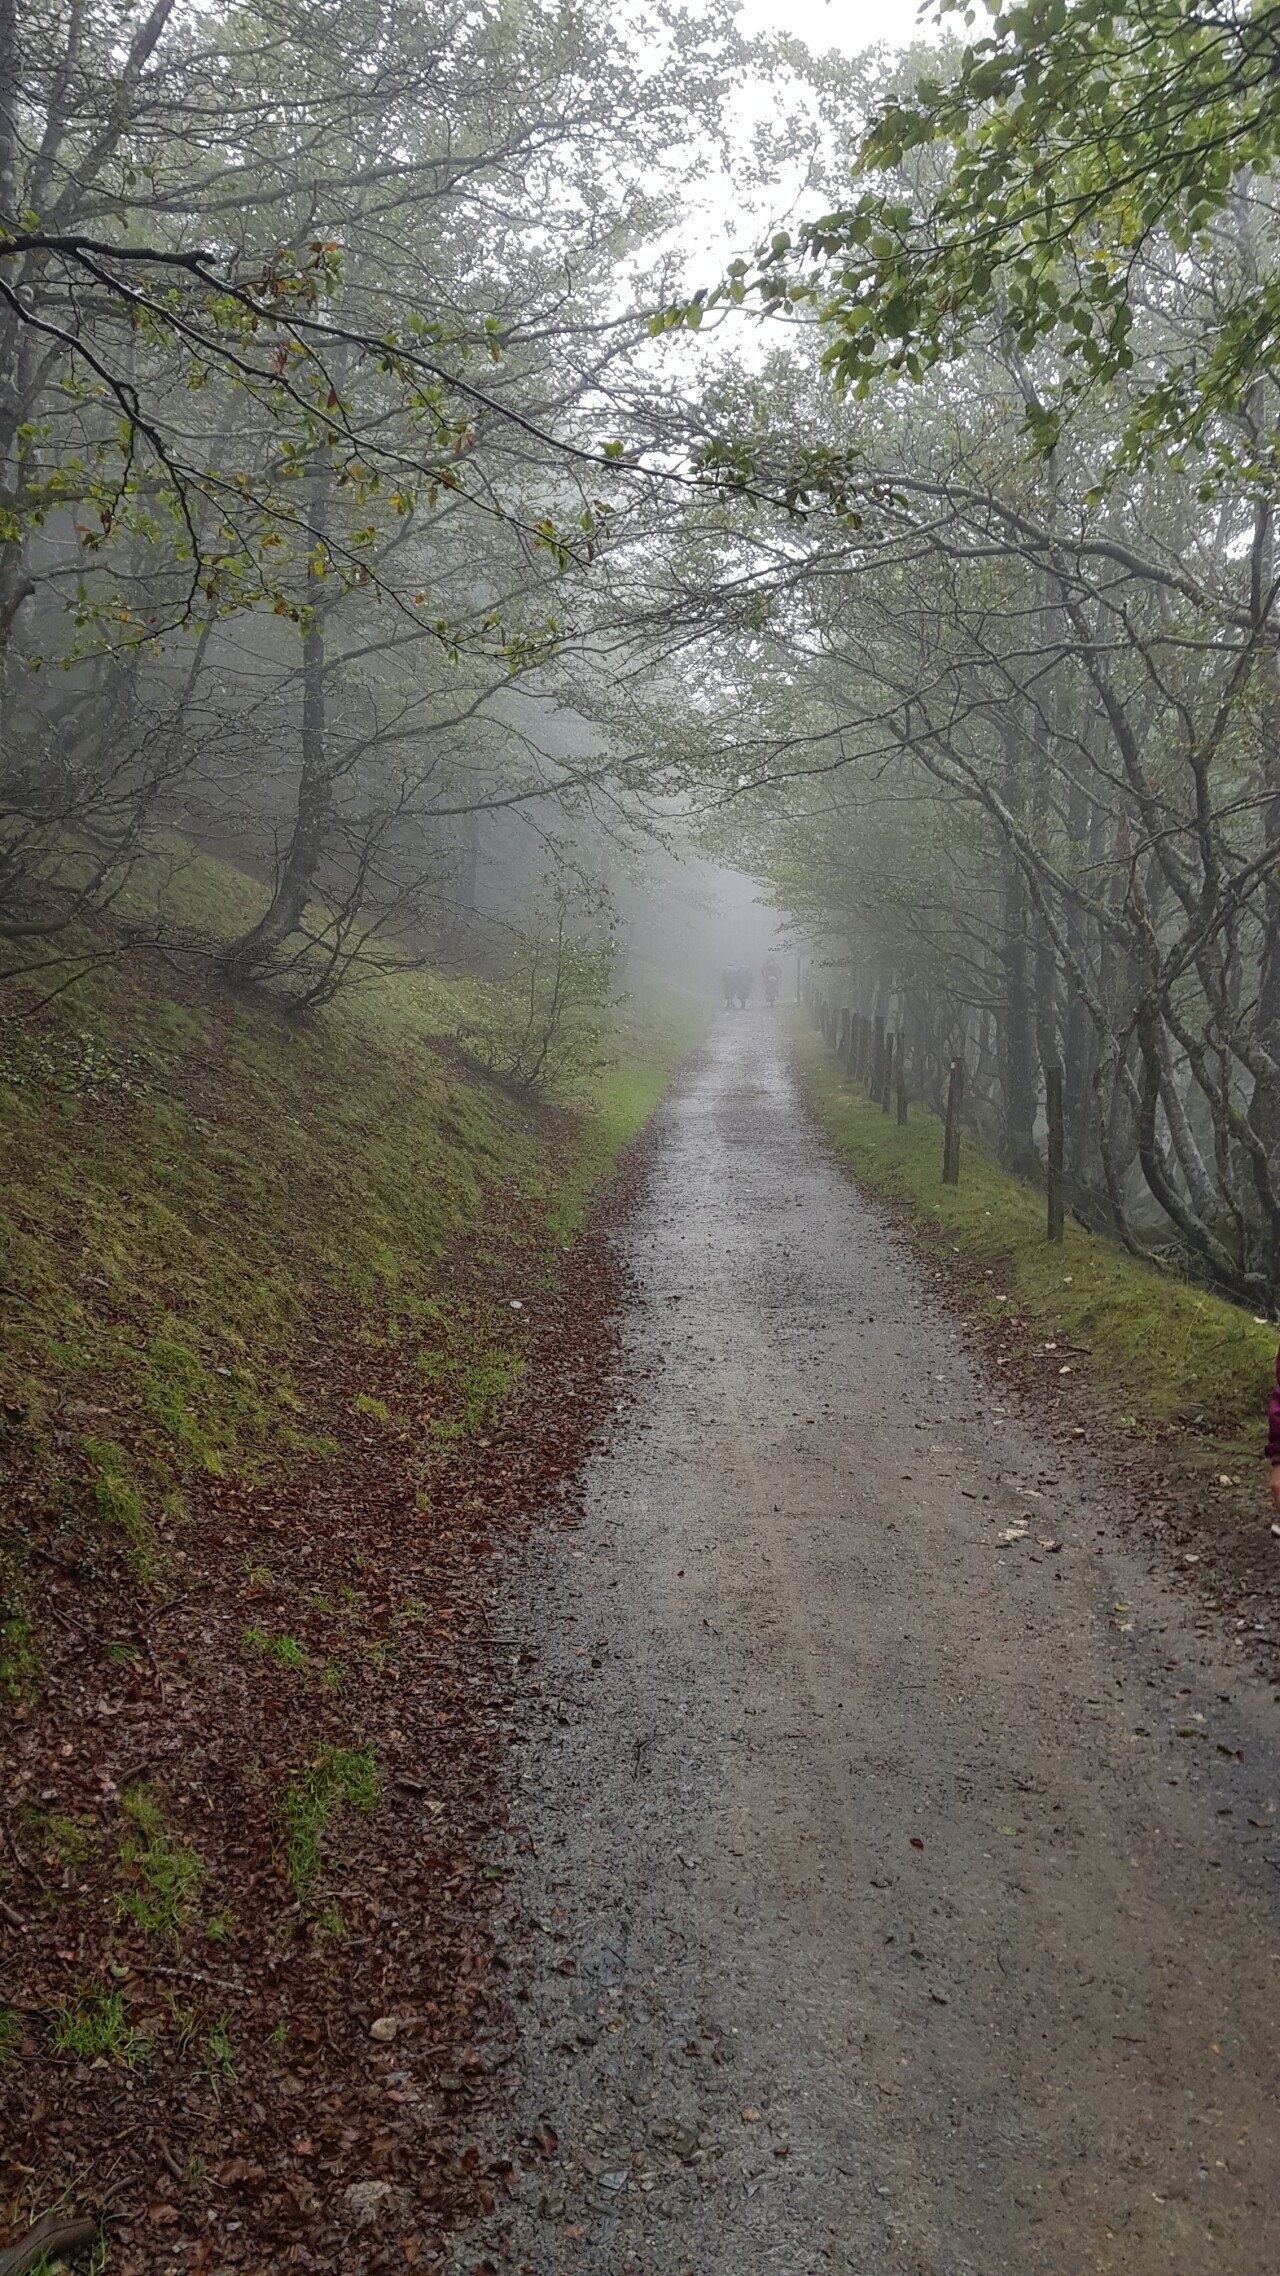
{"x":508,"y":478}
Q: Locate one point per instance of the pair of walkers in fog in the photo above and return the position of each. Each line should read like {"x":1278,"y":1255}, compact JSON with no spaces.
{"x":737,"y":981}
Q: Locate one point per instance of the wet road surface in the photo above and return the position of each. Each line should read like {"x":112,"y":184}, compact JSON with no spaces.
{"x":899,"y":1902}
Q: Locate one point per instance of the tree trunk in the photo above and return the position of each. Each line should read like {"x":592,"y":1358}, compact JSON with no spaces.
{"x":951,"y":1134}
{"x":259,"y":948}
{"x":1264,"y":1106}
{"x":877,"y":1058}
{"x":1014,"y":1038}
{"x":469,"y":877}
{"x":1054,"y":1150}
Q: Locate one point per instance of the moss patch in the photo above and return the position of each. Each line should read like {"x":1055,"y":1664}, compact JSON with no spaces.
{"x":93,"y":2025}
{"x":163,"y":1878}
{"x":340,"y":1778}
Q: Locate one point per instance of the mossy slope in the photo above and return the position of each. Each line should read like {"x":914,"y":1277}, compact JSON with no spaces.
{"x":191,"y":1174}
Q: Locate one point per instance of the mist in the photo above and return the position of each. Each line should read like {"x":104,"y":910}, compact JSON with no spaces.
{"x":640,"y":1108}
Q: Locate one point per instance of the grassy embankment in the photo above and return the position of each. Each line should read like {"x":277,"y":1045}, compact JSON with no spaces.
{"x":189,"y":1174}
{"x":269,"y":1292}
{"x":1156,"y":1355}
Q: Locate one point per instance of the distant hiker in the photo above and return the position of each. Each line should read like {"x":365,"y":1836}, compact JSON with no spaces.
{"x":742,"y":984}
{"x":1273,"y":1440}
{"x":771,"y":974}
{"x":729,"y":982}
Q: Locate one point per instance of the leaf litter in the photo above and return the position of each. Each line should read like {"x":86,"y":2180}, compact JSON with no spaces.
{"x":291,"y":2059}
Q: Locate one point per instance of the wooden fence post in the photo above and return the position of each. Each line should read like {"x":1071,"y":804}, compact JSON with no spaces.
{"x":902,"y":1080}
{"x":1054,"y":1149}
{"x":886,"y":1087}
{"x":951,"y":1138}
{"x":877,"y":1057}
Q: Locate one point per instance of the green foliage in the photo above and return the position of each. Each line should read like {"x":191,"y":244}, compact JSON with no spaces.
{"x":10,"y":2036}
{"x":164,"y":1260}
{"x":119,"y":1502}
{"x":472,"y":1383}
{"x":218,"y":2052}
{"x":70,"y":1842}
{"x":211,"y":2042}
{"x":93,"y":2026}
{"x":546,"y":1025}
{"x":377,"y":1409}
{"x":186,"y":2023}
{"x":1157,"y":1348}
{"x":19,"y":1652}
{"x":167,"y":1877}
{"x":340,"y":1778}
{"x":1016,"y":192}
{"x":284,"y":1648}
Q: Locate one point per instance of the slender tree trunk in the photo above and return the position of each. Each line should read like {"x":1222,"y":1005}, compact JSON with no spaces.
{"x":258,"y":950}
{"x":1200,"y":1186}
{"x":469,"y":881}
{"x":1054,"y":1150}
{"x":951,"y":1134}
{"x":1264,"y":1106}
{"x":1015,"y":1055}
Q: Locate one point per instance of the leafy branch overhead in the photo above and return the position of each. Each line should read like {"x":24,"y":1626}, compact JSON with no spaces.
{"x":388,"y":425}
{"x":250,"y":259}
{"x":1053,"y":182}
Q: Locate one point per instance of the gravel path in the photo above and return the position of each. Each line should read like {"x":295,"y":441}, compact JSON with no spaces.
{"x":901,"y":1896}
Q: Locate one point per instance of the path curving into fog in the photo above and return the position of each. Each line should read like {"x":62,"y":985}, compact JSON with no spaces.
{"x":884,"y":1922}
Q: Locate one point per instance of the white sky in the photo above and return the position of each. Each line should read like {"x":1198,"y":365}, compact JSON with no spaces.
{"x":848,"y":24}
{"x":723,"y":216}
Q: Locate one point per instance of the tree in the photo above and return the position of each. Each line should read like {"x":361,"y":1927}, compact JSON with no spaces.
{"x":301,"y":314}
{"x":1011,"y":745}
{"x":1072,"y":171}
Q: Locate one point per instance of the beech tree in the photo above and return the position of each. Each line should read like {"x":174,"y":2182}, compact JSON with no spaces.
{"x":1001,"y":661}
{"x":302,"y":314}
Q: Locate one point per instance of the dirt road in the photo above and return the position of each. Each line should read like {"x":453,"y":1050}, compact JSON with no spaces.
{"x":902,"y":1903}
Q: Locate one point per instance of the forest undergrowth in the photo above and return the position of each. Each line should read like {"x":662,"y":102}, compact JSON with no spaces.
{"x":302,"y":1330}
{"x":1164,"y":1381}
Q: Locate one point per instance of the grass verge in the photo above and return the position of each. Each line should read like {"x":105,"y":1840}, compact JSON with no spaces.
{"x":655,"y":1034}
{"x":1154,"y":1352}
